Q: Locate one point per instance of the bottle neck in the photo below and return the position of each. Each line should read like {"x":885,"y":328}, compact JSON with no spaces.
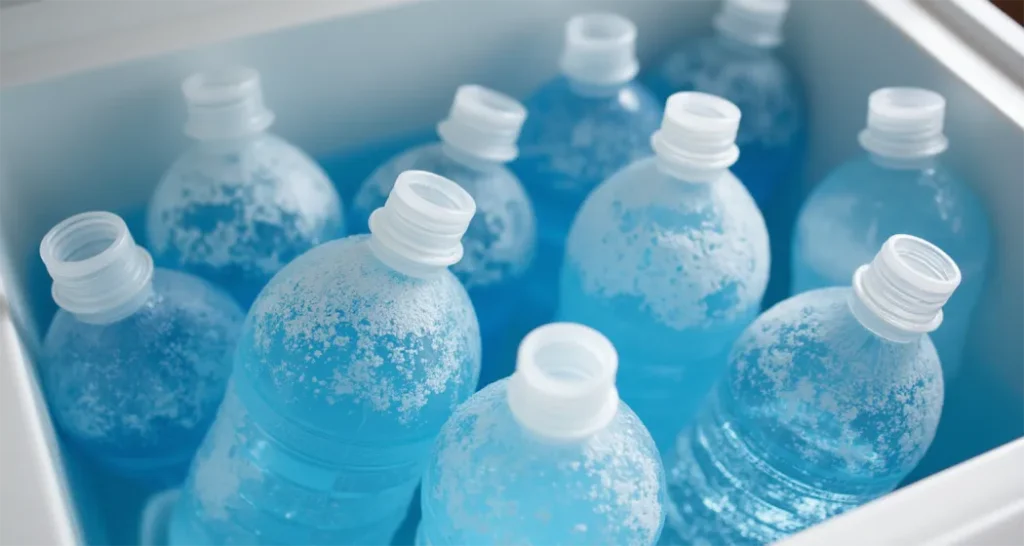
{"x":468,"y":159}
{"x":225,"y":105}
{"x":599,"y":53}
{"x":905,"y":124}
{"x":905,"y":164}
{"x":900,"y":294}
{"x":99,"y":274}
{"x":563,"y":388}
{"x":483,"y":125}
{"x":418,"y":231}
{"x":740,"y":48}
{"x":590,"y":91}
{"x":756,"y":23}
{"x":697,"y":138}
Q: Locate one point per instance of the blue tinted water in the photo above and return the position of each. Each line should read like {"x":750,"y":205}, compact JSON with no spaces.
{"x":570,"y":144}
{"x":344,"y":374}
{"x":772,"y":134}
{"x":236,"y":213}
{"x":815,"y":416}
{"x":671,"y":272}
{"x":490,"y":481}
{"x":499,"y":245}
{"x":863,"y":202}
{"x":137,"y":395}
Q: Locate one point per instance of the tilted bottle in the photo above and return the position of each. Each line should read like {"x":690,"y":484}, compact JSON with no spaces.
{"x":350,"y":362}
{"x":136,"y":360}
{"x":831,"y":398}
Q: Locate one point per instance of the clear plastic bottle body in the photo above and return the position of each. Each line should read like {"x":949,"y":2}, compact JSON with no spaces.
{"x":344,"y":374}
{"x":235,"y":212}
{"x":573,"y":141}
{"x":493,"y":482}
{"x":773,"y":134}
{"x":815,"y":416}
{"x":672,"y":272}
{"x":138,"y":394}
{"x":865,"y":201}
{"x":499,"y":244}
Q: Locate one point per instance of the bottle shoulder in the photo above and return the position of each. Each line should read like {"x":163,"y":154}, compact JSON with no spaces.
{"x":482,"y":449}
{"x":693,"y":253}
{"x":861,"y":203}
{"x":813,"y":339}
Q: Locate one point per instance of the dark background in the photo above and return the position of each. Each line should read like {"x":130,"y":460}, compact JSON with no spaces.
{"x":1013,"y":8}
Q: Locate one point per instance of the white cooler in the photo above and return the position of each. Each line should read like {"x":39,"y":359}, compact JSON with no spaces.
{"x":91,"y":114}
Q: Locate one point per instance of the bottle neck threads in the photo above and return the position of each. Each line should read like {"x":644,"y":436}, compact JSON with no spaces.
{"x":697,"y":139}
{"x":905,"y":123}
{"x":900,"y":294}
{"x":600,"y":51}
{"x":419,"y":229}
{"x":225,"y":104}
{"x":756,"y":23}
{"x":483,"y":124}
{"x":563,"y":388}
{"x":99,"y":274}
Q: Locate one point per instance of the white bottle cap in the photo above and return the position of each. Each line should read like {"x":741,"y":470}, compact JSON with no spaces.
{"x":905,"y":123}
{"x":600,"y":49}
{"x":225,"y":104}
{"x":483,"y":123}
{"x":564,"y":384}
{"x":420,"y":227}
{"x":755,"y":22}
{"x":697,"y":135}
{"x":99,"y":274}
{"x":900,"y":294}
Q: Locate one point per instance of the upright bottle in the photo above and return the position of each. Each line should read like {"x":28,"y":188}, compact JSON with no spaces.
{"x":241,"y":203}
{"x":547,"y":456}
{"x":477,"y":139}
{"x":669,"y":258}
{"x":738,"y":61}
{"x":137,"y":358}
{"x":831,"y":398}
{"x":349,"y":363}
{"x":584,"y":126}
{"x":898,"y":186}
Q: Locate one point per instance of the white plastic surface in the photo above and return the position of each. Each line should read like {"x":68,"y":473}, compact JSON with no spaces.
{"x":600,"y":49}
{"x":905,"y":123}
{"x":697,"y":135}
{"x":483,"y":123}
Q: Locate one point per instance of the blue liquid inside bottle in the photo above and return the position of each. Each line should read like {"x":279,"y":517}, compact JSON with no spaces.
{"x":671,"y":265}
{"x":494,"y":479}
{"x":135,"y":390}
{"x":241,"y":203}
{"x":574,"y":139}
{"x":501,"y":240}
{"x":870,"y":198}
{"x":816,"y":415}
{"x":345,"y":372}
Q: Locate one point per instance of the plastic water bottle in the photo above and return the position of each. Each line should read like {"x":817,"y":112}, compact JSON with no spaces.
{"x":669,"y":258}
{"x":738,"y":61}
{"x":477,"y":139}
{"x":583,"y":127}
{"x":831,"y":398}
{"x":547,"y":456}
{"x":350,"y":362}
{"x":898,"y":186}
{"x":137,"y":358}
{"x":241,"y":203}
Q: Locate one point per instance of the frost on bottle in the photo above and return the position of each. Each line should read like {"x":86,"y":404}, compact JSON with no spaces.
{"x":669,"y":258}
{"x":137,"y":358}
{"x":583,"y":127}
{"x":831,"y":398}
{"x":477,"y":139}
{"x":350,"y":361}
{"x":739,"y":62}
{"x":241,"y":202}
{"x":547,"y":456}
{"x":898,"y":186}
